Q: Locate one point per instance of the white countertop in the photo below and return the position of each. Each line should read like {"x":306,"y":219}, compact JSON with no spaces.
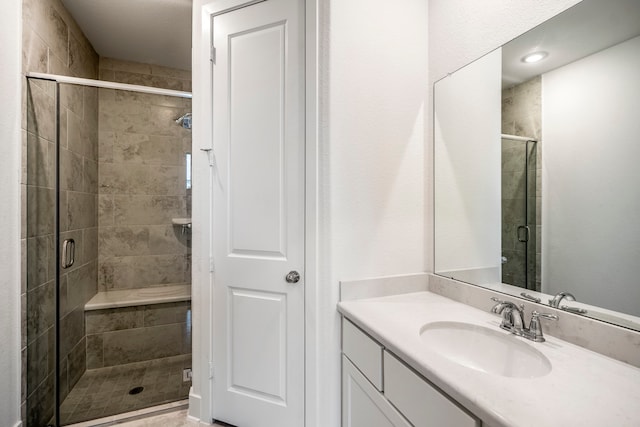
{"x":584,"y":388}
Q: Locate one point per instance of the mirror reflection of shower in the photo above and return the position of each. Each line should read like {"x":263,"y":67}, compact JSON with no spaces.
{"x":519,"y":228}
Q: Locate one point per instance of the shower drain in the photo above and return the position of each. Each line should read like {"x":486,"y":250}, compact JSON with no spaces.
{"x":136,"y":390}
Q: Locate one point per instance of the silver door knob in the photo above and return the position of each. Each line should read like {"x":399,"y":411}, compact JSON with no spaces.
{"x":293,"y":277}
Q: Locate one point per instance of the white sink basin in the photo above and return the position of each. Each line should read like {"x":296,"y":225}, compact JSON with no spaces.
{"x":484,"y":349}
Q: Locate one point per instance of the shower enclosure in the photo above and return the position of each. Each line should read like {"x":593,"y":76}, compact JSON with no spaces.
{"x":108,"y":321}
{"x":519,"y":229}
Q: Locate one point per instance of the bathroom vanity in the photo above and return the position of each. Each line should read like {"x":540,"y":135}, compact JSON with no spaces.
{"x":403,"y":365}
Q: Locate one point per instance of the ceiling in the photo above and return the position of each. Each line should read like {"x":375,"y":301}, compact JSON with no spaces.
{"x":150,"y":31}
{"x":587,"y":28}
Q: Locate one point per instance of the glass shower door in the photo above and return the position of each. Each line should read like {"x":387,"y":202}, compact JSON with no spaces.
{"x":519,"y":168}
{"x":61,"y":241}
{"x":39,"y":234}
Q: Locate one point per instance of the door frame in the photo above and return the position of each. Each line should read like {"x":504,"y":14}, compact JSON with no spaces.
{"x":200,"y":394}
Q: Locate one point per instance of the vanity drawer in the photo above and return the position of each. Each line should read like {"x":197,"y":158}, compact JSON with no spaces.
{"x":418,"y":401}
{"x":363,"y":351}
{"x":362,"y":404}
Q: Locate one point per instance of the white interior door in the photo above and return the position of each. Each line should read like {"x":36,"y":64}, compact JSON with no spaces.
{"x":258,"y":215}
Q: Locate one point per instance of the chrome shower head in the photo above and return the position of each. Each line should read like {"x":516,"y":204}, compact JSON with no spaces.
{"x":185,"y":121}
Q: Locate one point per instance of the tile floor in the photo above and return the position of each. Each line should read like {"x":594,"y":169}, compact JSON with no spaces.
{"x":172,"y":419}
{"x":105,"y":391}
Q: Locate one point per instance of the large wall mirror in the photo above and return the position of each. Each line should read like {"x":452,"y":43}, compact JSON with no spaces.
{"x":537,"y":165}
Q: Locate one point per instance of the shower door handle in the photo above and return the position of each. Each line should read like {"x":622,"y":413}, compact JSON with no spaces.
{"x":68,"y":253}
{"x":527,"y":234}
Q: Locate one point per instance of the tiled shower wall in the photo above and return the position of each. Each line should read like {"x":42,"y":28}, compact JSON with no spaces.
{"x":53,"y":43}
{"x":142,"y":179}
{"x":522,"y":116}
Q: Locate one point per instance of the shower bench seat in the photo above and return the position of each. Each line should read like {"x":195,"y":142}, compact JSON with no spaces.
{"x":135,"y":297}
{"x":136,"y":325}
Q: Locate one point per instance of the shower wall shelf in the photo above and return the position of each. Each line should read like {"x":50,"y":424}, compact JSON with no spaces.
{"x":185,"y":223}
{"x":517,"y":138}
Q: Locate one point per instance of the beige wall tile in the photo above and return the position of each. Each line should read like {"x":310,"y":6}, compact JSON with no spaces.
{"x":71,"y":171}
{"x":37,"y":363}
{"x":145,"y":79}
{"x":41,"y":113}
{"x":82,"y":285}
{"x":46,"y":21}
{"x":90,"y":239}
{"x":106,"y":140}
{"x":105,"y":210}
{"x":38,"y":264}
{"x":129,"y":97}
{"x":72,"y":326}
{"x":142,"y":179}
{"x":94,"y":351}
{"x":135,"y":345}
{"x":107,"y":75}
{"x":40,"y":208}
{"x":57,"y":65}
{"x":76,"y":363}
{"x":64,"y":207}
{"x":71,"y":99}
{"x":141,"y":118}
{"x":40,"y":161}
{"x":116,"y":319}
{"x":64,"y":305}
{"x":164,"y":314}
{"x":145,"y":270}
{"x":144,"y":209}
{"x":138,"y":240}
{"x":91,"y":107}
{"x":35,"y":52}
{"x":40,"y":309}
{"x":147,"y":149}
{"x":171,"y":72}
{"x":129,"y":66}
{"x":39,"y":408}
{"x":83,"y":61}
{"x":90,"y":176}
{"x":82,"y":210}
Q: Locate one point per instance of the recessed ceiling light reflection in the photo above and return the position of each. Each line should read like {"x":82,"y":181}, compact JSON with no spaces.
{"x":534,"y":57}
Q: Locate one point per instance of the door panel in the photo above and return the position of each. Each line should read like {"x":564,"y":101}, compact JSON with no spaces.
{"x":263,"y":377}
{"x":258,"y":215}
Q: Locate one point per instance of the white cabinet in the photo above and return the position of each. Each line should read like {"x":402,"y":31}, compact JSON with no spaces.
{"x":378,"y":390}
{"x":363,"y":351}
{"x":362,"y":404}
{"x":419,"y":401}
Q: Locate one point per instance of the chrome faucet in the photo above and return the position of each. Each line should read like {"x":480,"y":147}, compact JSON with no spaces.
{"x":512,"y":315}
{"x":534,"y":333}
{"x":555,"y":302}
{"x":513,"y":320}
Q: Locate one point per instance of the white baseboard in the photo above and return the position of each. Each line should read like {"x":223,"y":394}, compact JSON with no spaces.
{"x":194,"y":407}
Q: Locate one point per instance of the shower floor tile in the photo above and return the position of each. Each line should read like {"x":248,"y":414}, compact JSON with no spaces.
{"x":105,"y":391}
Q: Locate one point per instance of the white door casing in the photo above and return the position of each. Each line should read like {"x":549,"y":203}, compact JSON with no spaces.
{"x":258,"y":210}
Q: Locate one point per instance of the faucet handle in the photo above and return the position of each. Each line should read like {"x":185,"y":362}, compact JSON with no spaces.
{"x":535,"y":328}
{"x":547,"y":316}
